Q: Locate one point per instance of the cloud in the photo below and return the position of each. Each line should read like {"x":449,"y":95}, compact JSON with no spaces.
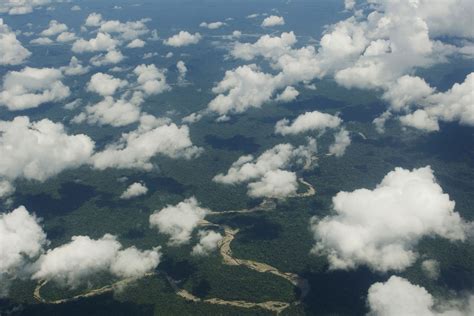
{"x":21,"y":239}
{"x":242,"y":88}
{"x":93,"y":20}
{"x":273,"y":20}
{"x":178,"y":221}
{"x":381,"y":227}
{"x":136,"y":43}
{"x":183,"y":38}
{"x":15,"y":7}
{"x":101,"y":43}
{"x":208,"y":242}
{"x":288,"y":95}
{"x":31,"y":87}
{"x":75,"y":68}
{"x":112,"y":57}
{"x":150,"y":79}
{"x":309,"y":121}
{"x":398,"y":296}
{"x":54,"y":28}
{"x":430,"y":268}
{"x":112,"y":112}
{"x":39,"y":150}
{"x":65,"y":37}
{"x":42,"y":41}
{"x":265,"y":174}
{"x":182,"y":71}
{"x":11,"y":50}
{"x":127,"y":31}
{"x":6,"y":189}
{"x":456,"y":104}
{"x":134,"y":190}
{"x":153,"y":137}
{"x":212,"y":25}
{"x":341,"y":142}
{"x":105,"y":84}
{"x":274,"y":184}
{"x":76,"y":262}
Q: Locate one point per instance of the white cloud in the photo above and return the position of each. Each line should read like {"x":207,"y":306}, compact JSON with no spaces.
{"x":183,"y":38}
{"x":75,"y":68}
{"x":136,"y":43}
{"x":16,"y":7}
{"x":93,"y":20}
{"x":112,"y":112}
{"x":42,"y":41}
{"x":65,"y":37}
{"x":54,"y":28}
{"x":192,"y":118}
{"x":398,"y":296}
{"x":273,"y":20}
{"x":178,"y":221}
{"x":430,"y":268}
{"x":134,"y":190}
{"x":288,"y":95}
{"x":32,"y":87}
{"x":6,"y":189}
{"x":21,"y":239}
{"x":381,"y":227}
{"x":101,"y":43}
{"x":208,"y":242}
{"x":420,"y":119}
{"x":243,"y":88}
{"x":309,"y":121}
{"x":153,"y":137}
{"x":11,"y":50}
{"x":341,"y":142}
{"x":112,"y":57}
{"x":182,"y":71}
{"x":39,"y":150}
{"x":78,"y":261}
{"x":75,"y":8}
{"x":150,"y":79}
{"x":105,"y":84}
{"x":274,"y":184}
{"x":406,"y":92}
{"x":212,"y":25}
{"x":127,"y":31}
{"x":265,"y":174}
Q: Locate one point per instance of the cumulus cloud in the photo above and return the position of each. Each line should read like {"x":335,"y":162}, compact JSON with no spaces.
{"x":398,"y":296}
{"x":11,"y":50}
{"x":74,"y":263}
{"x":288,"y":95}
{"x":54,"y":28}
{"x":112,"y":112}
{"x":150,"y":79}
{"x":212,"y":25}
{"x":15,"y":7}
{"x":134,"y":190}
{"x":75,"y":68}
{"x":341,"y":142}
{"x":242,"y":88}
{"x":183,"y":38}
{"x":136,"y":43}
{"x":42,"y":41}
{"x":105,"y":84}
{"x":127,"y":31}
{"x":273,"y":20}
{"x":6,"y":189}
{"x":101,"y":43}
{"x":309,"y":121}
{"x":31,"y":87}
{"x":265,"y":173}
{"x":21,"y":239}
{"x":208,"y":242}
{"x":39,"y":150}
{"x":430,"y":268}
{"x":381,"y":227}
{"x":93,"y":20}
{"x":182,"y":71}
{"x":153,"y":137}
{"x":178,"y":221}
{"x":66,"y":37}
{"x":112,"y":57}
